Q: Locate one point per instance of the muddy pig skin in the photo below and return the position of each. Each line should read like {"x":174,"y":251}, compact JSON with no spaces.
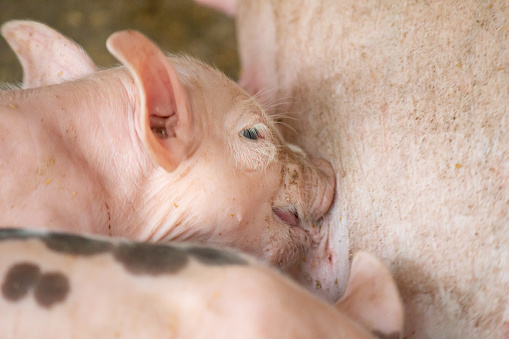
{"x":160,"y":149}
{"x":56,"y":285}
{"x":409,"y":100}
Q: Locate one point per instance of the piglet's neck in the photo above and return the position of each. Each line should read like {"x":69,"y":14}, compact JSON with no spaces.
{"x":96,"y":115}
{"x":89,"y":124}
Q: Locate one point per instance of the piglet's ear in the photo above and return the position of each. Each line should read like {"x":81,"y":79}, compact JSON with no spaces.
{"x":164,"y":119}
{"x":371,"y":297}
{"x":46,"y":56}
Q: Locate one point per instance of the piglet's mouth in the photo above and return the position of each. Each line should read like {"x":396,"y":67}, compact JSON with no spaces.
{"x":288,"y":215}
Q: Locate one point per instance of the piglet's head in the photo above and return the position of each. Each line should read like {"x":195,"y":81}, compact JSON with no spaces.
{"x":222,"y":172}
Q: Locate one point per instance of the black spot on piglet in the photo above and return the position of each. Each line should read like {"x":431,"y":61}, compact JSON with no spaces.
{"x":19,"y":280}
{"x":14,"y":233}
{"x":212,"y":256}
{"x":140,"y":258}
{"x":75,"y":244}
{"x":51,"y":288}
{"x":60,"y":242}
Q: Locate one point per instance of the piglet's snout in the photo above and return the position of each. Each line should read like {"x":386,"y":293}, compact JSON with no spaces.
{"x":308,"y":187}
{"x":323,"y":185}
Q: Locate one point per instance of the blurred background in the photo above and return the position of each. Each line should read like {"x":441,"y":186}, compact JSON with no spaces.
{"x":177,"y":26}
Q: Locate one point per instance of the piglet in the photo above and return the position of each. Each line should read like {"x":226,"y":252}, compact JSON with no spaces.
{"x":162,"y":148}
{"x":56,"y":285}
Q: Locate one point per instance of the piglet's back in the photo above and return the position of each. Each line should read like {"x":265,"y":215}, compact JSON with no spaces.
{"x":56,"y":285}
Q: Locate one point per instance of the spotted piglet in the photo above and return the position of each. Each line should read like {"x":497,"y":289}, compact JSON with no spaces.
{"x":56,"y":285}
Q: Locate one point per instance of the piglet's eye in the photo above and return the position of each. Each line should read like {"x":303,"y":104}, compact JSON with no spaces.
{"x":250,"y":133}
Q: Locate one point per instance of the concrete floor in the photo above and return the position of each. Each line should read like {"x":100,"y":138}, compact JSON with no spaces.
{"x":178,"y":26}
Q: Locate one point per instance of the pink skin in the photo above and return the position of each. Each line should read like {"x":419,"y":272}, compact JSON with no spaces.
{"x":409,"y":102}
{"x":248,"y":301}
{"x":153,"y":151}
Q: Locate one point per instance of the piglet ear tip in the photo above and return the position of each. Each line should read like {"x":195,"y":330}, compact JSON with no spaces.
{"x":118,"y":40}
{"x":11,"y":26}
{"x":114,"y":40}
{"x":6,"y":29}
{"x":15,"y":25}
{"x":364,"y":259}
{"x":372,"y":268}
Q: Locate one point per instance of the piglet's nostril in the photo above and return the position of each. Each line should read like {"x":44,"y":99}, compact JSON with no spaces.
{"x":287,"y":216}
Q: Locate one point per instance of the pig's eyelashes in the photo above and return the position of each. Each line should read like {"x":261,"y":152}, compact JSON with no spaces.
{"x":250,"y":133}
{"x":255,"y":147}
